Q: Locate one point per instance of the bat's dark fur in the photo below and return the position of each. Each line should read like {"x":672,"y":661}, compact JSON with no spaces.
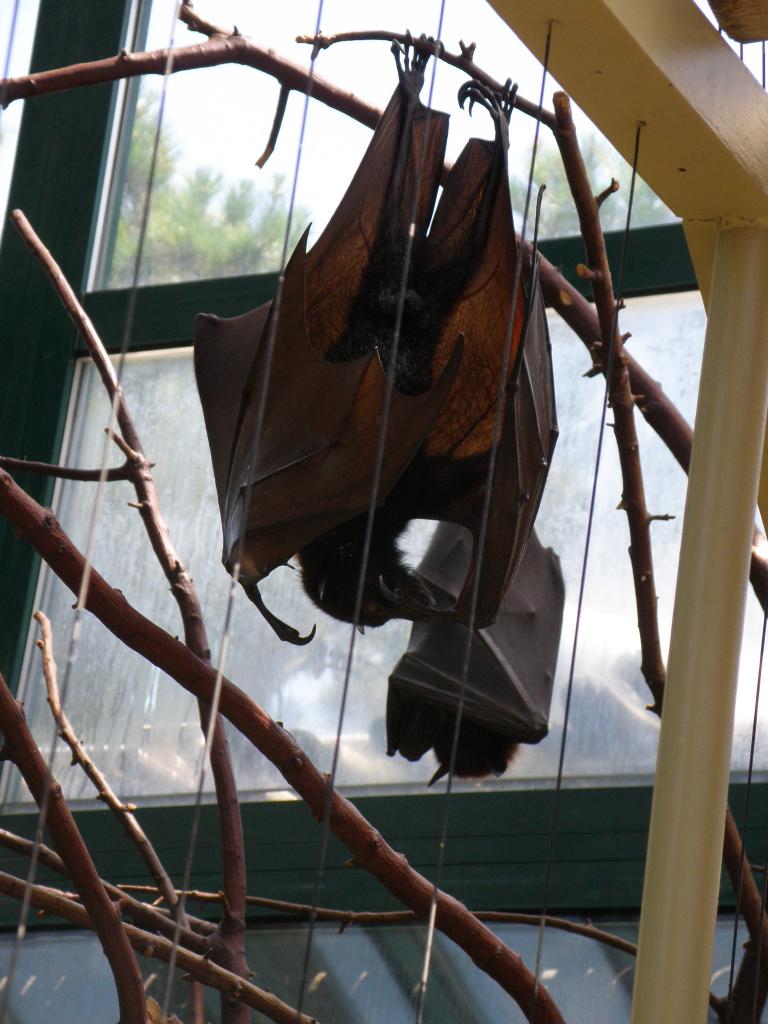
{"x":402,"y":305}
{"x":433,"y":287}
{"x":479,"y":752}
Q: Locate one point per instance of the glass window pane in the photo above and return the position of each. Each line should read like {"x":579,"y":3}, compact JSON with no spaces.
{"x":151,"y":748}
{"x":213,"y":213}
{"x":17,"y":31}
{"x":369,"y":974}
{"x":65,"y":976}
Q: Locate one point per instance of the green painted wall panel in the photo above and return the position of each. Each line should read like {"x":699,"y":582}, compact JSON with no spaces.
{"x":495,"y":858}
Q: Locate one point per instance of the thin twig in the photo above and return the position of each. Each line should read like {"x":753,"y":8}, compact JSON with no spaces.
{"x":21,"y":749}
{"x":217,"y":50}
{"x":228,"y":950}
{"x":607,"y":192}
{"x":195,"y":23}
{"x":621,"y":398}
{"x":366,"y":918}
{"x":277,"y":122}
{"x":148,"y":944}
{"x":369,"y":850}
{"x":150,"y":917}
{"x":122,"y":811}
{"x":750,"y":987}
{"x":65,"y":472}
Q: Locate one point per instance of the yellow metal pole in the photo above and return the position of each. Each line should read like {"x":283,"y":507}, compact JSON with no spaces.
{"x":682,"y":873}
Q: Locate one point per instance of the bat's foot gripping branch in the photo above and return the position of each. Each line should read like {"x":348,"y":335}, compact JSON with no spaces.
{"x":498,"y":104}
{"x":410,"y":68}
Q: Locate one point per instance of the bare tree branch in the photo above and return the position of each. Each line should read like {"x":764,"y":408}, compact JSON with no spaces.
{"x":150,"y":945}
{"x":217,"y":50}
{"x":622,"y":401}
{"x":21,"y":749}
{"x":149,"y":917}
{"x":462,"y":61}
{"x":620,"y":396}
{"x":64,"y":472}
{"x":369,"y":849}
{"x":282,"y":103}
{"x":123,"y":812}
{"x":366,"y":918}
{"x":228,"y":947}
{"x":751,"y":984}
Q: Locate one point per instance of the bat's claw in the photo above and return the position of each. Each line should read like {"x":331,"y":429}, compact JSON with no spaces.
{"x":292,"y":636}
{"x":411,"y":62}
{"x":508,"y":97}
{"x":498,"y":104}
{"x":442,"y":771}
{"x":413,"y":601}
{"x":282,"y":629}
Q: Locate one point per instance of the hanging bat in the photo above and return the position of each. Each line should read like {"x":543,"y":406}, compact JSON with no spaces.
{"x":509,"y":675}
{"x":398,"y":302}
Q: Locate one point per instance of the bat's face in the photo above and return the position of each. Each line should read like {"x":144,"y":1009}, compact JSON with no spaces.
{"x":389,"y":591}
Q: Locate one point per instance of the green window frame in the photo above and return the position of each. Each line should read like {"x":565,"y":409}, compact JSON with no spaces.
{"x":498,"y":841}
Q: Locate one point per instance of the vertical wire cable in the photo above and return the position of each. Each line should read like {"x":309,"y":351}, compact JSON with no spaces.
{"x":745,"y":823}
{"x":236,"y":570}
{"x":482,"y":533}
{"x":82,"y":596}
{"x":375,"y":487}
{"x":584,"y":564}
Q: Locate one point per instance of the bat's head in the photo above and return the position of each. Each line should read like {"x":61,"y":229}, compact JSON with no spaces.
{"x":391,"y":590}
{"x":479,"y":752}
{"x":396,"y":593}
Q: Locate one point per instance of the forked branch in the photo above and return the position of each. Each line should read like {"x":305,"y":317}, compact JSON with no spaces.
{"x":160,"y":948}
{"x":463,"y":61}
{"x":229,"y":947}
{"x":622,"y":400}
{"x":20,"y":748}
{"x":369,"y":850}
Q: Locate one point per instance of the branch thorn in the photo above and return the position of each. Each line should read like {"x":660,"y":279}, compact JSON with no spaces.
{"x":607,"y":192}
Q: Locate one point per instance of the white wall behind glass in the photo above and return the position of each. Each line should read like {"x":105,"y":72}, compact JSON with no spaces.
{"x":142,"y":728}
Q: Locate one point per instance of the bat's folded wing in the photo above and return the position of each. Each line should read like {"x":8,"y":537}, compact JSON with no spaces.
{"x":512,"y":663}
{"x":304,"y":444}
{"x":526,"y":445}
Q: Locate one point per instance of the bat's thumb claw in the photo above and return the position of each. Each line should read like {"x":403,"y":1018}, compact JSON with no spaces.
{"x":282,"y":629}
{"x":441,"y":772}
{"x":299,"y":640}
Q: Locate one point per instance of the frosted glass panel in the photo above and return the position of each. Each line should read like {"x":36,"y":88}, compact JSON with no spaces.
{"x":142,"y":728}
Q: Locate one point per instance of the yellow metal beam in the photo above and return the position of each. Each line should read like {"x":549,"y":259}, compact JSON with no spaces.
{"x":682,"y":872}
{"x":704,"y":151}
{"x":705,"y":148}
